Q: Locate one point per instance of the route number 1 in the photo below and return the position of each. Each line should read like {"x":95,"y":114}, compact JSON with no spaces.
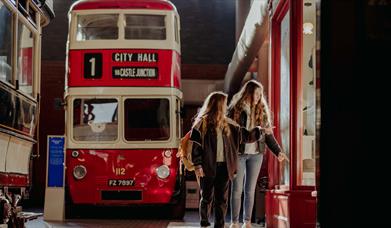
{"x":92,"y":65}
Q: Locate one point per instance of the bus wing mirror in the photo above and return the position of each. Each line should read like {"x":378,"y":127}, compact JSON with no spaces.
{"x":182,"y":113}
{"x":58,"y":103}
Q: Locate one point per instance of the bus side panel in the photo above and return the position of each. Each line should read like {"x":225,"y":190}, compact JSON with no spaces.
{"x":14,"y":161}
{"x":176,"y":71}
{"x":110,"y":172}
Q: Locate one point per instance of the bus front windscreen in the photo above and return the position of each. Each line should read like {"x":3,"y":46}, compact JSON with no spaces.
{"x":95,"y":119}
{"x":147,"y":119}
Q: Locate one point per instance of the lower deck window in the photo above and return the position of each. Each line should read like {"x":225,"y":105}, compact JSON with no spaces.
{"x":95,"y":119}
{"x":147,"y":119}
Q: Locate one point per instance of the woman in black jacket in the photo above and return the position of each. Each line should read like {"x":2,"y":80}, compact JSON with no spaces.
{"x":216,"y":141}
{"x":249,"y":109}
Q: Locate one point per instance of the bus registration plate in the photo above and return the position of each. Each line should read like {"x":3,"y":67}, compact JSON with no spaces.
{"x":128,"y":182}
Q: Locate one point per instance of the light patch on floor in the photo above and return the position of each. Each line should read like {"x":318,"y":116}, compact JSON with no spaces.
{"x":196,"y":224}
{"x":183,"y":224}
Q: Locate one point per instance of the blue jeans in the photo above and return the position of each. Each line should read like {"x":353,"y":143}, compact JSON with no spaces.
{"x":249,"y":166}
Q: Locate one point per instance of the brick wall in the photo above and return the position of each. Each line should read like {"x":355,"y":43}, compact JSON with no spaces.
{"x":207,"y":31}
{"x":51,"y":121}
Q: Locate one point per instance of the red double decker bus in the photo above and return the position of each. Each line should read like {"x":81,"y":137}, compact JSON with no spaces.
{"x":123,"y":123}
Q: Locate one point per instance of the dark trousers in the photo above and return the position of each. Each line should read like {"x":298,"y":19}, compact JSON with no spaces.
{"x":214,"y":189}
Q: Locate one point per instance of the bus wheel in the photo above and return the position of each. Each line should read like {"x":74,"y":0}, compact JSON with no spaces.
{"x":178,"y":209}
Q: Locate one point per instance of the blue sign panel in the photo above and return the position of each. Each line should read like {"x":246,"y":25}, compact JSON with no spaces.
{"x":56,"y":161}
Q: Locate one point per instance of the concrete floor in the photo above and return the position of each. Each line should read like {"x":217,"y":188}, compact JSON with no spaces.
{"x":134,"y":220}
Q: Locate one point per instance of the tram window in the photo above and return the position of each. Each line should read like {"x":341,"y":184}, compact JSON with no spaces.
{"x":145,"y":27}
{"x":95,"y":119}
{"x":147,"y":119}
{"x":178,"y":118}
{"x":176,"y":30}
{"x":25,"y":58}
{"x":97,"y":27}
{"x":5,"y":44}
{"x":26,"y":117}
{"x":17,"y":112}
{"x":32,"y":15}
{"x":23,"y":4}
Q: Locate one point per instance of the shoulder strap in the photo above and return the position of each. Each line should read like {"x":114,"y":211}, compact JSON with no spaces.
{"x":232,"y":122}
{"x":203,"y":130}
{"x":201,"y":127}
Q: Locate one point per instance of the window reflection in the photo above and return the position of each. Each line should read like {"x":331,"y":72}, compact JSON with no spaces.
{"x":309,"y":104}
{"x":95,"y":119}
{"x":25,"y":58}
{"x":97,"y":27}
{"x":285,"y":97}
{"x":5,"y":44}
{"x":17,"y":112}
{"x":145,"y":27}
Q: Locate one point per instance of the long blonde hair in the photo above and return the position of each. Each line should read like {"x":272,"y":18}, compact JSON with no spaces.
{"x":213,"y":113}
{"x":262,"y":112}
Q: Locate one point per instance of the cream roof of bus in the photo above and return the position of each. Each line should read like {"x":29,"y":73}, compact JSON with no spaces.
{"x":123,"y":4}
{"x":170,"y":43}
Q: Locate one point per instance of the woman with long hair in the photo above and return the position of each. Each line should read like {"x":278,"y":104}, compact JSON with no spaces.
{"x":249,"y":109}
{"x":216,"y":141}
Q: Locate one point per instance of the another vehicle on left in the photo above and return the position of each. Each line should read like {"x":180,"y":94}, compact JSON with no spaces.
{"x":21,"y":23}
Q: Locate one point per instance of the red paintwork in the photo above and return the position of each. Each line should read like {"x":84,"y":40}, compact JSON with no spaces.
{"x":298,"y":207}
{"x":139,"y":165}
{"x":13,"y":180}
{"x":165,"y":66}
{"x":124,"y":4}
{"x":297,"y":204}
{"x":296,"y":36}
{"x":27,"y":67}
{"x":274,"y":88}
{"x":176,"y":69}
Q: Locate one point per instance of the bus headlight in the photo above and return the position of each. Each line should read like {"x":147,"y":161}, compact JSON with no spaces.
{"x":163,"y":171}
{"x":79,"y":172}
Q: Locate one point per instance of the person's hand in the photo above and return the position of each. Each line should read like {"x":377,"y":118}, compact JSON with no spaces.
{"x":268,"y":130}
{"x":282,"y":156}
{"x":199,"y":172}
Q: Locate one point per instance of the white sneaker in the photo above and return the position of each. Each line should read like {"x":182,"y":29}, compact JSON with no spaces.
{"x":234,"y":225}
{"x":246,"y":225}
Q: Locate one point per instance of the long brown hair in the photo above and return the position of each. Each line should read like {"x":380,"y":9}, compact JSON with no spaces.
{"x":262,"y":113}
{"x":213,"y":113}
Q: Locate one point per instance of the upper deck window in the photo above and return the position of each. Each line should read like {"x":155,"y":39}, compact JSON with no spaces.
{"x":97,"y":27}
{"x":5,"y":44}
{"x":25,"y":58}
{"x":145,"y":27}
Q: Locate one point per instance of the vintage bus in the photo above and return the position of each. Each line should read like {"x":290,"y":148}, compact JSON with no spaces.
{"x":123,"y":104}
{"x":21,"y":23}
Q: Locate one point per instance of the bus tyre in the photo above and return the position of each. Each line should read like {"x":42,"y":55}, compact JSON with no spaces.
{"x":178,"y":209}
